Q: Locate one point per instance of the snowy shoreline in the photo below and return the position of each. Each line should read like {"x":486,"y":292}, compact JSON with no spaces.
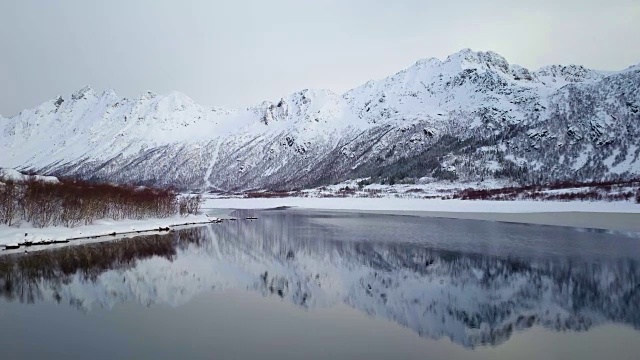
{"x":617,"y":216}
{"x":19,"y":236}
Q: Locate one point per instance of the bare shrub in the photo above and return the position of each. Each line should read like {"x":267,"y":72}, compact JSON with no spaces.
{"x":8,"y":202}
{"x":73,"y":202}
{"x":588,"y":191}
{"x":189,"y":204}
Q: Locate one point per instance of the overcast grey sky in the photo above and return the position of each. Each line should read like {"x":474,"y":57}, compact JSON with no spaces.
{"x":236,"y":53}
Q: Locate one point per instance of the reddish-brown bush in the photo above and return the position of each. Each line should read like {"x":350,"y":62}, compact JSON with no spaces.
{"x":74,"y":202}
{"x":595,"y":190}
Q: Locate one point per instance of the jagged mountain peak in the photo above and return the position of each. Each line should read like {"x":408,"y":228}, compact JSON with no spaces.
{"x":109,"y":94}
{"x":635,"y":67}
{"x":468,"y":58}
{"x":568,"y":73}
{"x":85,"y":92}
{"x":427,"y":62}
{"x":425,"y":72}
{"x":147,"y":95}
{"x":309,"y":96}
{"x":304,"y":107}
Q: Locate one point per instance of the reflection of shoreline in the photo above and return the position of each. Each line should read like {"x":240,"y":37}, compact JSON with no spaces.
{"x":23,"y":277}
{"x":473,"y":299}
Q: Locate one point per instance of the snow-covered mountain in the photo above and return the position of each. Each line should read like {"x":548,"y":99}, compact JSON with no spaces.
{"x":472,"y":116}
{"x":472,"y":299}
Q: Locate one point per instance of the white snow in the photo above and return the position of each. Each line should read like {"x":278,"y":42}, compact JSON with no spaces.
{"x":630,"y":163}
{"x":14,"y":175}
{"x":583,"y":158}
{"x":104,"y":126}
{"x":25,"y":232}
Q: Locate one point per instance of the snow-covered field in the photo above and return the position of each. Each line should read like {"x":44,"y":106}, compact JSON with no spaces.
{"x":26,"y":233}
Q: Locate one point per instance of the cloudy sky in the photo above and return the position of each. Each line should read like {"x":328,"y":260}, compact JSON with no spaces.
{"x":236,"y":53}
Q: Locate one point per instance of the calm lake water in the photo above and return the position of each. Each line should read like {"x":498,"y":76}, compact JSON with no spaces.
{"x":301,"y":284}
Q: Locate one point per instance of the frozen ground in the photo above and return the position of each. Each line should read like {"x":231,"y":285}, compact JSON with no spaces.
{"x":623,"y":216}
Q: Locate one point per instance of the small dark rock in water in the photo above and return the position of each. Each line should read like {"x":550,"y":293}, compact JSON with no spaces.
{"x":251,"y":218}
{"x":113,"y":233}
{"x":25,"y":234}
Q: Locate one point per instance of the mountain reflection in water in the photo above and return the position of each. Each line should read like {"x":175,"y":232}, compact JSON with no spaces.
{"x":474,"y":297}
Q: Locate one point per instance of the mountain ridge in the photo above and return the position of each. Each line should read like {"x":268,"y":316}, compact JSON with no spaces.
{"x":469,"y":117}
{"x":430,"y":60}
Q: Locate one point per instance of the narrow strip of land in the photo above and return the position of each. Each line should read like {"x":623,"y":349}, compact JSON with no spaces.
{"x":22,"y":237}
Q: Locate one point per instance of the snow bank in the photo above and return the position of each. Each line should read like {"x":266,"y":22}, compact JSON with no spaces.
{"x":26,"y":233}
{"x":434,"y":205}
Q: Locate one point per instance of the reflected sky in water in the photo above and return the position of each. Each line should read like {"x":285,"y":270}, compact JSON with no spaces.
{"x":329,"y":284}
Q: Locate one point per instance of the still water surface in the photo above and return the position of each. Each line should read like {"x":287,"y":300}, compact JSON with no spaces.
{"x":300,"y":284}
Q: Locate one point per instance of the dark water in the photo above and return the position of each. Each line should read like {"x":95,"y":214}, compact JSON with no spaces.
{"x":296,"y":284}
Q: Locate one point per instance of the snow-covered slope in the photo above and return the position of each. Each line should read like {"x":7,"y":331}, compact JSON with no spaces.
{"x":16,"y":176}
{"x":471,"y":116}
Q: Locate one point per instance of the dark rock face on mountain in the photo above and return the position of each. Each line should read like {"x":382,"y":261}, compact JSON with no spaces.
{"x":471,"y":117}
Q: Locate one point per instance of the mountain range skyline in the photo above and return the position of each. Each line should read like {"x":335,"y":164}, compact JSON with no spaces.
{"x":469,"y":117}
{"x":418,"y":61}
